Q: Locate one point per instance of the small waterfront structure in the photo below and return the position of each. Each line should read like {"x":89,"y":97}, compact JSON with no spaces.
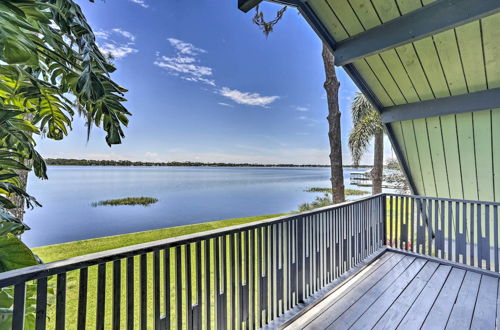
{"x":432,"y":70}
{"x":360,"y":178}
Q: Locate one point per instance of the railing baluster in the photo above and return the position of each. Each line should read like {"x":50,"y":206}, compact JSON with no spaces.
{"x":156,"y":289}
{"x":130,"y":293}
{"x":178,"y":286}
{"x":480,"y":240}
{"x":19,"y":306}
{"x":460,"y":234}
{"x":189,"y":285}
{"x":101,"y":295}
{"x":450,"y":229}
{"x":289,"y":270}
{"x":208,"y":285}
{"x":243,"y":279}
{"x":300,"y":263}
{"x":144,"y":291}
{"x":82,"y":298}
{"x":486,"y":240}
{"x":278,"y":236}
{"x":250,"y":278}
{"x":495,"y":236}
{"x":258,"y":278}
{"x":167,"y":286}
{"x":61,"y":302}
{"x":116,"y":293}
{"x":41,"y":303}
{"x":197,"y":319}
{"x":263,"y":278}
{"x":220,"y":280}
{"x":472,"y":235}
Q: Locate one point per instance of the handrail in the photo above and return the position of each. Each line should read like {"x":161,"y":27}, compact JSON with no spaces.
{"x":92,"y":259}
{"x":446,"y":199}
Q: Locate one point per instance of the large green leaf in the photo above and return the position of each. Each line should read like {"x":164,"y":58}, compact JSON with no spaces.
{"x":14,"y":254}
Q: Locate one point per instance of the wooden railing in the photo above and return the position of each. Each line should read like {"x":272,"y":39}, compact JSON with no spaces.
{"x":239,"y":277}
{"x":461,"y":231}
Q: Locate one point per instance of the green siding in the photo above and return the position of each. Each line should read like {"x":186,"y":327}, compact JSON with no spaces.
{"x":452,"y":153}
{"x":467,"y":160}
{"x":495,"y":123}
{"x":422,"y":140}
{"x":454,"y":156}
{"x":484,"y":154}
{"x":438,"y":157}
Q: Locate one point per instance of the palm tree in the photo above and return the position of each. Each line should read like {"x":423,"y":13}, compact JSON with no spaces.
{"x":367,"y":124}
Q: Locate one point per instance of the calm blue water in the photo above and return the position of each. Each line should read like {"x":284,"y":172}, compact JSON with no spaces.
{"x":186,"y":195}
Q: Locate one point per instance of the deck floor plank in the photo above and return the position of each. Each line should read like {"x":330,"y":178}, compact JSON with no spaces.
{"x":334,"y":311}
{"x":393,"y":316}
{"x":349,"y":285}
{"x":441,"y":310}
{"x":407,"y":292}
{"x":461,"y":314}
{"x":416,"y":315}
{"x":371,"y":316}
{"x":486,"y":308}
{"x":387,"y":284}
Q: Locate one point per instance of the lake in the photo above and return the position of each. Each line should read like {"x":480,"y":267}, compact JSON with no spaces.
{"x":186,"y":195}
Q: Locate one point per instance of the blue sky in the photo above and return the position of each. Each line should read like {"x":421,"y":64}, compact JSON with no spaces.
{"x":206,"y":85}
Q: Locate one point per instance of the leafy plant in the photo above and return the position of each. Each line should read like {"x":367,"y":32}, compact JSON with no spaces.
{"x":321,"y":201}
{"x":50,"y":69}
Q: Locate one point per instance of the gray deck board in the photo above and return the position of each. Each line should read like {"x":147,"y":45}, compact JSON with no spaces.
{"x":332,"y":313}
{"x":440,"y":312}
{"x":486,"y":308}
{"x":415,"y":317}
{"x":347,"y":286}
{"x":387,"y":285}
{"x":461,"y":315}
{"x":409,"y":293}
{"x":393,"y":316}
{"x":378,"y":308}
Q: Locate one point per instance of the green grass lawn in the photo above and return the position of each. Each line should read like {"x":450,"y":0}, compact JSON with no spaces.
{"x":72,"y":249}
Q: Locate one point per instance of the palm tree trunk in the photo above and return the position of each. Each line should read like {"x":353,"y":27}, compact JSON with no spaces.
{"x":331,"y":86}
{"x":23,"y":179}
{"x":378,"y":163}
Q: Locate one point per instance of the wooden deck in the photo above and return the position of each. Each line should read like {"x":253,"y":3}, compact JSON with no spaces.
{"x":398,"y":291}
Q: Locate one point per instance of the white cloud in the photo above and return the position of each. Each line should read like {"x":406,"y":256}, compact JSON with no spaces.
{"x":125,"y":34}
{"x":185,"y":47}
{"x":184,"y":63}
{"x":102,"y":35}
{"x":113,"y":46}
{"x":117,"y":51}
{"x":247,"y":98}
{"x":225,"y":104}
{"x":302,"y":109}
{"x":141,"y":3}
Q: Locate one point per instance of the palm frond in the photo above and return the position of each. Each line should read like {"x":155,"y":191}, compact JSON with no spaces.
{"x":366,"y":123}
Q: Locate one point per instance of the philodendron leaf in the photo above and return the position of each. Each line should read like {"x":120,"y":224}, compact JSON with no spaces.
{"x":5,"y":318}
{"x":14,"y":254}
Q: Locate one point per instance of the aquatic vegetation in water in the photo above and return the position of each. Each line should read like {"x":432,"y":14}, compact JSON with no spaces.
{"x":145,"y":201}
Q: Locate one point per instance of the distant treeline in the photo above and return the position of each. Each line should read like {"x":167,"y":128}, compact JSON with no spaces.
{"x":90,"y":162}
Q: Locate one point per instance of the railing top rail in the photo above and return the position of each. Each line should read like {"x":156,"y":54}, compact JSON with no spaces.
{"x":445,"y":199}
{"x":43,"y":270}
